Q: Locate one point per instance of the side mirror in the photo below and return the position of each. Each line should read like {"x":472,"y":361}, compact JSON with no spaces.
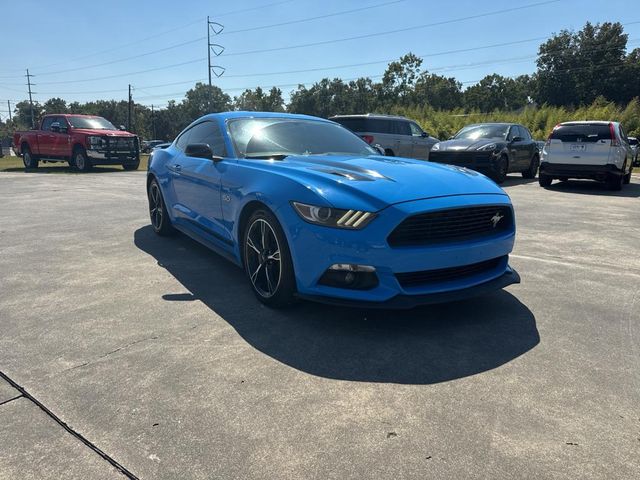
{"x":379,"y":148}
{"x":122,"y":127}
{"x":55,"y":127}
{"x":201,"y":150}
{"x":425,"y":135}
{"x":517,"y":139}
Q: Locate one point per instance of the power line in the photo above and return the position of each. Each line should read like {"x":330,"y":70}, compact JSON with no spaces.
{"x":309,"y":19}
{"x":399,"y":30}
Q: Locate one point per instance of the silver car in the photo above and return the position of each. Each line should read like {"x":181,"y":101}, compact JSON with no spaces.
{"x":591,"y":149}
{"x":398,"y":136}
{"x":635,"y":147}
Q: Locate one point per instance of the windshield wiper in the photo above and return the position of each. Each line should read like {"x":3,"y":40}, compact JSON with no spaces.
{"x":275,"y":156}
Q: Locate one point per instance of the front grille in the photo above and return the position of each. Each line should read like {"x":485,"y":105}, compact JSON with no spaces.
{"x":426,"y":277}
{"x":452,"y":225}
{"x":121,"y":143}
{"x":461,"y":158}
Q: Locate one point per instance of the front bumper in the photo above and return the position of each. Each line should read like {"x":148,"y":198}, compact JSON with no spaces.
{"x":579,"y":171}
{"x":315,"y":248}
{"x":484,"y":162}
{"x":405,"y":302}
{"x":112,"y":158}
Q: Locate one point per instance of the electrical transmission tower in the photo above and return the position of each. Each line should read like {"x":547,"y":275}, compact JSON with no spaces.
{"x":29,"y":84}
{"x":215,"y":28}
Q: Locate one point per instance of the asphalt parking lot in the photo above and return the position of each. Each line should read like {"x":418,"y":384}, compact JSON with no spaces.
{"x":156,"y":353}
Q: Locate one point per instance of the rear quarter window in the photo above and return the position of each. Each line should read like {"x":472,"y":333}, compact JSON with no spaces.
{"x":581,"y":133}
{"x":372,"y":125}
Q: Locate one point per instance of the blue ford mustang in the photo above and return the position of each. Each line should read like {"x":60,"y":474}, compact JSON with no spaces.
{"x":309,"y":210}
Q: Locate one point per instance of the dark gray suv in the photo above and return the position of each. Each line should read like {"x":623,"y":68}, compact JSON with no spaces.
{"x":398,"y":136}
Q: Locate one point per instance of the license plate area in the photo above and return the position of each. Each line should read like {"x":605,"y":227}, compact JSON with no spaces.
{"x":577,"y":148}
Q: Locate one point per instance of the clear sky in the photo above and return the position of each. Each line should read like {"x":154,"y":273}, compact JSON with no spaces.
{"x":72,"y":46}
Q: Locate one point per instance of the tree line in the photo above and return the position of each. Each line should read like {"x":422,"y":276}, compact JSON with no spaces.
{"x":583,"y":74}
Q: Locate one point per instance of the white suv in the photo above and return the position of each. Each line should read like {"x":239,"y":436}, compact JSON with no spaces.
{"x":595,"y":150}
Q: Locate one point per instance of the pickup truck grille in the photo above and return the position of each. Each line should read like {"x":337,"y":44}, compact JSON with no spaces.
{"x":124,"y":144}
{"x":453,"y":225}
{"x":427,"y":277}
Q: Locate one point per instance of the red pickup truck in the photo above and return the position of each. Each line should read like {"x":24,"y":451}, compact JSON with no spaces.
{"x":81,"y":140}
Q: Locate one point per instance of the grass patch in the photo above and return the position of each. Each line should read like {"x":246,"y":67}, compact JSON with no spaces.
{"x":14,"y":164}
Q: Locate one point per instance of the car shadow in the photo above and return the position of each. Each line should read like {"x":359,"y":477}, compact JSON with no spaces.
{"x":590,"y":187}
{"x":421,"y":346}
{"x":519,"y":180}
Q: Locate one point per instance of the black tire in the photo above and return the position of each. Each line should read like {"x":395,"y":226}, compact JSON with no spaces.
{"x":28,"y":159}
{"x":389,"y":153}
{"x":532,"y":171}
{"x":627,"y":177}
{"x":80,"y":160}
{"x":615,"y":182}
{"x":265,"y":252}
{"x":544,"y":180}
{"x":158,"y":215}
{"x":131,"y":166}
{"x":502,"y":168}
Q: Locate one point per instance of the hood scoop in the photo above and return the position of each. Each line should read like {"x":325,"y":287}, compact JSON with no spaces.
{"x":351,"y":175}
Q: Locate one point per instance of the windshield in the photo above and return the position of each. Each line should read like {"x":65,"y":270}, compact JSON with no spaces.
{"x":271,"y":137}
{"x":92,"y":123}
{"x":475,"y":132}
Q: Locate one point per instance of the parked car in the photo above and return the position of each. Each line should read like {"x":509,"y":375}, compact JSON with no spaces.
{"x":149,"y":145}
{"x":591,"y":149}
{"x":494,"y":149}
{"x":635,"y":148}
{"x":310,"y":210}
{"x":80,"y":140}
{"x":398,"y":136}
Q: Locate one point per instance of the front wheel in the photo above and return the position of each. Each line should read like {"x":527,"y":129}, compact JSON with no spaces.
{"x":81,"y":161}
{"x":502,"y":167}
{"x":28,"y":159}
{"x":267,"y":260}
{"x":544,"y":180}
{"x":533,"y":168}
{"x":158,"y":211}
{"x":131,"y":166}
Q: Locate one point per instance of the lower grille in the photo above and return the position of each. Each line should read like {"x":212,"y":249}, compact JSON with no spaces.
{"x":427,"y":277}
{"x":452,"y":225}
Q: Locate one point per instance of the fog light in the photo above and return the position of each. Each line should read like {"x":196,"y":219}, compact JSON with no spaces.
{"x":354,"y":277}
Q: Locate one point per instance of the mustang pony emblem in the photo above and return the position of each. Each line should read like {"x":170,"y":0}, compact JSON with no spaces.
{"x":496,"y":219}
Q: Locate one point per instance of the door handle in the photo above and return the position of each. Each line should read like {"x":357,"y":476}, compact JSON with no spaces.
{"x":175,"y":168}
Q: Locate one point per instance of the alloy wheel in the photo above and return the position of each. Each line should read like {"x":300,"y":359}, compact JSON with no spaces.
{"x":155,"y":206}
{"x":79,"y":161}
{"x":262,"y":254}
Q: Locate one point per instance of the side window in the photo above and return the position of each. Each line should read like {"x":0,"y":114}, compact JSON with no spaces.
{"x":183,"y":139}
{"x":416,"y":131}
{"x":46,"y":123}
{"x":623,"y":135}
{"x":401,"y":128}
{"x":524,"y":133}
{"x":209,"y":133}
{"x":513,"y":132}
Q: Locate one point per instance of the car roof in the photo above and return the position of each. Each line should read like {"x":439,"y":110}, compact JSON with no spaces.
{"x":492,"y":123}
{"x":245,"y":114}
{"x":587,"y":122}
{"x":371,"y":115}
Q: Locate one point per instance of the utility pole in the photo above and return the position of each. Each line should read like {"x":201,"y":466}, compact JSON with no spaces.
{"x":29,"y":84}
{"x":217,"y":50}
{"x":9,"y":107}
{"x":129,"y":110}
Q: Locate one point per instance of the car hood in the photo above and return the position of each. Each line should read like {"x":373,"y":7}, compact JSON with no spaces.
{"x":108,"y":133}
{"x":465,"y":144}
{"x":376,"y":182}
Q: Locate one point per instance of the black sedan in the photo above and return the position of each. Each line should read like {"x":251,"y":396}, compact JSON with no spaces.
{"x":494,"y":149}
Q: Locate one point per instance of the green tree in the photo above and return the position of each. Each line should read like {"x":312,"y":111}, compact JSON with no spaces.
{"x":496,"y":92}
{"x":440,"y":92}
{"x":202,"y":99}
{"x":399,"y":79}
{"x":259,"y":101}
{"x":55,"y":105}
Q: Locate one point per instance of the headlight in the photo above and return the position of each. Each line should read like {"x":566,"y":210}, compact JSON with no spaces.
{"x":94,"y":142}
{"x":436,"y":147}
{"x":487,"y":147}
{"x":333,"y":217}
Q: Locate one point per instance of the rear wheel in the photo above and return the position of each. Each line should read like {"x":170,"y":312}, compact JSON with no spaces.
{"x":28,"y":159}
{"x":532,"y":171}
{"x":627,"y":177}
{"x":544,"y":180}
{"x":389,"y":153}
{"x":615,"y":182}
{"x":158,"y":211}
{"x":267,"y":260}
{"x":80,"y":160}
